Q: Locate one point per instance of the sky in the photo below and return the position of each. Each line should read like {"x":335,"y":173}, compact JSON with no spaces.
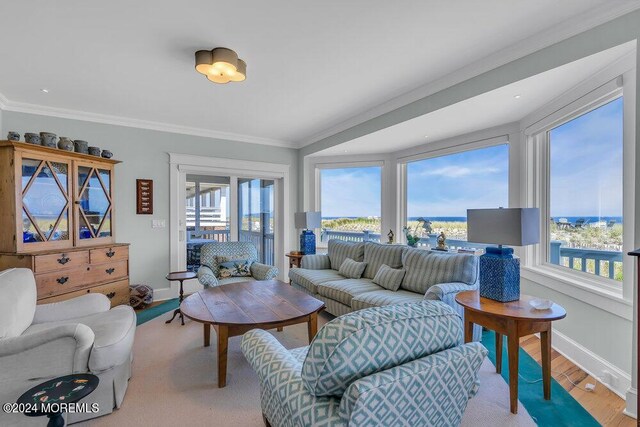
{"x":350,"y":192}
{"x":586,"y":176}
{"x":586,"y":164}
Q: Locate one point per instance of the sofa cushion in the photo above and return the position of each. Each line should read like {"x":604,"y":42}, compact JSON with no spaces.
{"x":384,"y":297}
{"x":352,"y":269}
{"x":376,"y":254}
{"x":427,"y":268}
{"x":343,"y":290}
{"x":339,"y":250}
{"x":17,"y":301}
{"x":231,"y":250}
{"x":309,"y":279}
{"x":389,"y":278}
{"x":367,"y":341}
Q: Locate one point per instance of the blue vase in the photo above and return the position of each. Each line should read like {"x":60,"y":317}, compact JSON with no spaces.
{"x":500,"y":275}
{"x":308,"y":242}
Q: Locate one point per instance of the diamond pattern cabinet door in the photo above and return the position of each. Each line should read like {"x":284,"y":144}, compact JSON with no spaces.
{"x":45,"y":202}
{"x":93,"y":204}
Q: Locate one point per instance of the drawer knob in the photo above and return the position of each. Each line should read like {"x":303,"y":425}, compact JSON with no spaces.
{"x":111,"y":295}
{"x":110,"y":253}
{"x":110,"y":270}
{"x":64,"y":259}
{"x":62,"y":280}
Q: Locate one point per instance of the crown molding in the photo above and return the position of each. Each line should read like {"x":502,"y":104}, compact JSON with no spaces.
{"x":569,"y":28}
{"x":20,"y":107}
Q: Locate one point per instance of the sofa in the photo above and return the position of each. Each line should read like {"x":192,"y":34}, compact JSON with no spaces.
{"x":428,"y":275}
{"x":79,"y":335}
{"x":397,"y":365}
{"x":210,"y":253}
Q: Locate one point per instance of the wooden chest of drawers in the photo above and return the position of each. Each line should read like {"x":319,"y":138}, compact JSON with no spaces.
{"x":68,"y":273}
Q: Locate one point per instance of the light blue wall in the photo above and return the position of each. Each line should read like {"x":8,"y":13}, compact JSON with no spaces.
{"x":144,"y":155}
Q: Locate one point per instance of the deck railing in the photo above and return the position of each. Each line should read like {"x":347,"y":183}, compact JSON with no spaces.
{"x":605,"y":261}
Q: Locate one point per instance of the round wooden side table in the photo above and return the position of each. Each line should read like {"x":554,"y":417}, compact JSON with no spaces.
{"x":513,"y":319}
{"x":180,"y":276}
{"x":51,"y":397}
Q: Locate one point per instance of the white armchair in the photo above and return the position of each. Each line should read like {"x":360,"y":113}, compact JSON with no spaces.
{"x":39,"y":342}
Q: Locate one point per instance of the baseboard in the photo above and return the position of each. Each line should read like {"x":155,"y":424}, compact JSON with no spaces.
{"x":616,"y":380}
{"x":632,"y":403}
{"x":189,"y":287}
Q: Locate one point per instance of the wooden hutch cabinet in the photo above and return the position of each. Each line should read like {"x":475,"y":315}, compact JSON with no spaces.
{"x":57,"y":218}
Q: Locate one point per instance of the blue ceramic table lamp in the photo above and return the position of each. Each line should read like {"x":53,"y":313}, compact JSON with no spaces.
{"x":499,"y":268}
{"x":308,"y":221}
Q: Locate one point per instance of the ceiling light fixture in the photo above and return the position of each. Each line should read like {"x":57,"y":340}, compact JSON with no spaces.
{"x":221,"y":65}
{"x":44,"y":90}
{"x":516,"y":96}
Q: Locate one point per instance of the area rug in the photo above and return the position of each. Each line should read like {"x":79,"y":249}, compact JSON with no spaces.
{"x":174,"y":381}
{"x":561,"y":410}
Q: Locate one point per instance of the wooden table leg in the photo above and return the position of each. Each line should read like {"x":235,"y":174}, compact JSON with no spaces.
{"x":513,"y":348}
{"x":498,"y":353}
{"x":207,"y":334}
{"x":223,"y":341}
{"x":279,"y":328}
{"x":312,"y":325}
{"x":468,"y":330}
{"x":545,"y":347}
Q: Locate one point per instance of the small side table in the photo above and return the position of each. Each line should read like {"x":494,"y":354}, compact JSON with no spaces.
{"x":68,"y":389}
{"x":180,"y":276}
{"x":514,"y":320}
{"x":294,"y":259}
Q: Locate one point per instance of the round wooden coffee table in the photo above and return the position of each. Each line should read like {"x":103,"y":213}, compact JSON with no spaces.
{"x":236,"y":308}
{"x":514,"y":319}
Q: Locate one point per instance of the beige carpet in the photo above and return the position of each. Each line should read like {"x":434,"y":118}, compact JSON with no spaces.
{"x":174,"y":383}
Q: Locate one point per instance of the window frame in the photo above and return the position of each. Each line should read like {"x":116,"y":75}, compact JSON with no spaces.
{"x":345,"y":165}
{"x":441,"y":152}
{"x":537,"y":164}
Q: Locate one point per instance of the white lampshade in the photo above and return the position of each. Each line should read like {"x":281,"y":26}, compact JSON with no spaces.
{"x":308,"y":220}
{"x":512,"y":226}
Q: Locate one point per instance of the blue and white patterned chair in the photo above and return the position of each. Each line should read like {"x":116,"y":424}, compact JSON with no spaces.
{"x":208,"y":273}
{"x":398,"y":365}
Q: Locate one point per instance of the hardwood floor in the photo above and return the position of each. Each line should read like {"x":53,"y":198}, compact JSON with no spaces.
{"x":605,"y":406}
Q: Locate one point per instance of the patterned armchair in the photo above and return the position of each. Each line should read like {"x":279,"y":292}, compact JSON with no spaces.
{"x":400,"y":365}
{"x":208,"y":273}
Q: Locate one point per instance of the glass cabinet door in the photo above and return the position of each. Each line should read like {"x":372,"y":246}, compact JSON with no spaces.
{"x":93,"y":204}
{"x":45,"y":203}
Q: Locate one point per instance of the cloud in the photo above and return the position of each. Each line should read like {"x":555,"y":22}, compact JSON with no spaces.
{"x":454,"y":171}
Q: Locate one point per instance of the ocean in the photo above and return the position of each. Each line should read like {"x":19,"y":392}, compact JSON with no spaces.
{"x":571,"y":219}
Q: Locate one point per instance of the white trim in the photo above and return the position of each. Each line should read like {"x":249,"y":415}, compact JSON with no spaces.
{"x":591,"y":363}
{"x":576,"y":288}
{"x":631,"y":409}
{"x":181,"y":164}
{"x":21,"y":107}
{"x":579,"y":24}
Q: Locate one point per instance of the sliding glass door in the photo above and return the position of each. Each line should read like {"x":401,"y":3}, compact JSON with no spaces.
{"x":210,"y":214}
{"x":256,"y":203}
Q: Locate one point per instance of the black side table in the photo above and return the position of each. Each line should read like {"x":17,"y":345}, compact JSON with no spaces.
{"x":180,"y":276}
{"x":52,"y":397}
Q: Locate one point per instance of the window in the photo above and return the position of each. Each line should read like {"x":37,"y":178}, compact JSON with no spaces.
{"x":585,"y":190}
{"x":350,"y":202}
{"x":441,"y":189}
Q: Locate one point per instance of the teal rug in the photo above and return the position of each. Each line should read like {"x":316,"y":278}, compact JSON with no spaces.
{"x":155,"y":311}
{"x":561,"y":410}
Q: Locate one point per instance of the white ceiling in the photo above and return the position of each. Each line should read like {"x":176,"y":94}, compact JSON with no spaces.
{"x":490,"y":109}
{"x":311,"y":64}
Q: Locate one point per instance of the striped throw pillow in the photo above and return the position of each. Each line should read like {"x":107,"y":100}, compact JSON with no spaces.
{"x":352,"y":269}
{"x":389,"y":278}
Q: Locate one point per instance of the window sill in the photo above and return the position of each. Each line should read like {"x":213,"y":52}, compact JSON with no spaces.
{"x":601,"y":297}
